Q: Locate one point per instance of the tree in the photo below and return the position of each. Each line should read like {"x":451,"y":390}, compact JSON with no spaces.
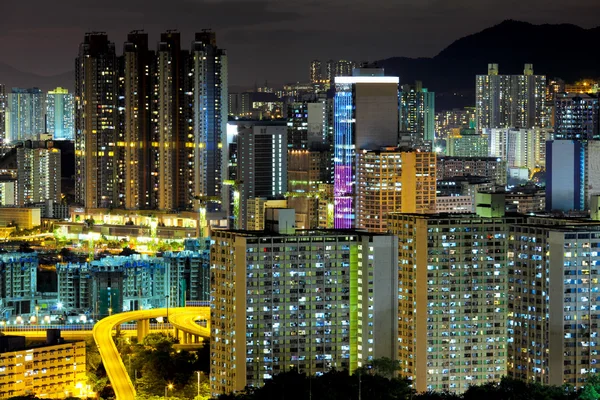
{"x":591,"y":390}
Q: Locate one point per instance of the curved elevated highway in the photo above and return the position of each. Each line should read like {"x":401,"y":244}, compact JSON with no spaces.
{"x":182,"y":318}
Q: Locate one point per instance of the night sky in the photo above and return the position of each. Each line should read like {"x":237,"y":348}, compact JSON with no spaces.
{"x":268,"y":39}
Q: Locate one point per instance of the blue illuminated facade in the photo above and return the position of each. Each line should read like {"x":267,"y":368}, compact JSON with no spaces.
{"x":365,"y":118}
{"x":344,"y":152}
{"x":565,"y":175}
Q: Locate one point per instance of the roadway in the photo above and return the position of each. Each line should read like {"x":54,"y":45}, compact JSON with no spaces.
{"x":182,"y":318}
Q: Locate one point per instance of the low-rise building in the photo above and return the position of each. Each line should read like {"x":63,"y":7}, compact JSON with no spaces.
{"x":18,"y":282}
{"x":23,"y":218}
{"x":55,"y":371}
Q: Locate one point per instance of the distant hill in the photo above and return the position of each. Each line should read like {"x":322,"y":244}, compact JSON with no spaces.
{"x":564,"y":51}
{"x":12,"y":77}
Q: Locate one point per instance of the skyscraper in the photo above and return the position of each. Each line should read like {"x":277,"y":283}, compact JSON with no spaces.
{"x":3,"y":100}
{"x":96,"y":122}
{"x":417,"y":113}
{"x":339,"y":68}
{"x":173,"y":89}
{"x":510,"y":101}
{"x":210,"y":118}
{"x":314,"y":300}
{"x":576,"y":116}
{"x":137,"y":154}
{"x":262,"y":163}
{"x":25,"y":115}
{"x":59,"y":114}
{"x":366,"y":118}
{"x":153,"y":133}
{"x":316,"y":73}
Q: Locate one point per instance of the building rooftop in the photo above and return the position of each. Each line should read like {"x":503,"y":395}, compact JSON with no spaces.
{"x":301,"y":232}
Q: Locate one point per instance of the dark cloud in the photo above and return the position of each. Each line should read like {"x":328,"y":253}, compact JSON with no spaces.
{"x":269,"y":39}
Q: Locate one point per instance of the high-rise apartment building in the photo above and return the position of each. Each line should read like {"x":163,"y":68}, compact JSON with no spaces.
{"x":520,"y":148}
{"x":3,"y":101}
{"x":393,"y":181}
{"x":339,"y":68}
{"x":309,"y":157}
{"x":262,"y":164}
{"x":25,"y":114}
{"x":316,"y":71}
{"x":417,"y":113}
{"x":38,"y":174}
{"x":452,"y":313}
{"x":154,"y":134}
{"x":366,"y":118}
{"x":60,"y":120}
{"x":576,"y":116}
{"x":174,"y":123}
{"x":138,"y":179}
{"x":510,"y":101}
{"x":96,"y":122}
{"x":210,"y":102}
{"x":311,"y":300}
{"x":447,"y":121}
{"x":553,"y":307}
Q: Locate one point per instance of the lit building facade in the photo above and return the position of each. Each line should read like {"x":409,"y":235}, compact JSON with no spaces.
{"x":153,"y":133}
{"x":25,"y":114}
{"x":311,"y":300}
{"x":18,"y":281}
{"x":576,"y":116}
{"x":316,"y":71}
{"x":255,"y":211}
{"x":553,"y":302}
{"x":505,"y":101}
{"x":210,"y":156}
{"x":452,"y":313}
{"x":262,"y":163}
{"x":520,"y":148}
{"x":366,"y":118}
{"x":96,"y":122}
{"x":467,"y":143}
{"x":128,"y":283}
{"x":60,"y":119}
{"x":393,"y":181}
{"x":38,"y":175}
{"x":417,"y":112}
{"x":571,"y":176}
{"x":50,"y":371}
{"x":137,"y":177}
{"x":339,"y":68}
{"x":492,"y":168}
{"x":3,"y":101}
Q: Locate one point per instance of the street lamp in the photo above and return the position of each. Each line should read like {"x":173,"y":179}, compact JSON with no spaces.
{"x":170,"y":387}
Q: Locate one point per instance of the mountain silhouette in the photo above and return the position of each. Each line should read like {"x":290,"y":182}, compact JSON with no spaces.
{"x":12,"y":77}
{"x":564,"y":51}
